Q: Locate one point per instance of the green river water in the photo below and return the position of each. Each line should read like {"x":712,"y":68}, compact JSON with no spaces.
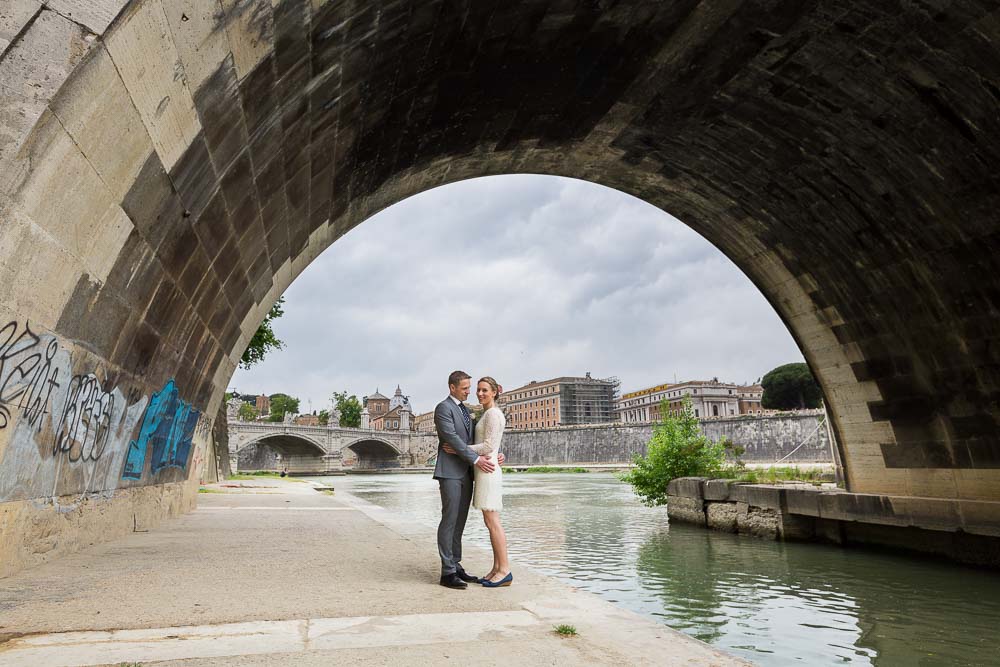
{"x":770,"y":602}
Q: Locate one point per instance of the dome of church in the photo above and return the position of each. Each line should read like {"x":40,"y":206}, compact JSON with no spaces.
{"x":398,"y":400}
{"x":377,"y":397}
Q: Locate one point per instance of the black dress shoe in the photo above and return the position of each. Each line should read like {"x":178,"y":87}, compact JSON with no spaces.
{"x":452,"y":581}
{"x":465,"y":576}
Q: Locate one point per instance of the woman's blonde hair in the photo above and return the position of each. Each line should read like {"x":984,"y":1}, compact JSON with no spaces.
{"x":493,"y":385}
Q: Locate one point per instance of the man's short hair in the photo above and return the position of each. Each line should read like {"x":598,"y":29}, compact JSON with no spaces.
{"x":457,"y":376}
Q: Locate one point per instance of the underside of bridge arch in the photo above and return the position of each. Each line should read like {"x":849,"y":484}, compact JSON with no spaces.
{"x":282,"y":452}
{"x":374,"y":455}
{"x":167,"y":168}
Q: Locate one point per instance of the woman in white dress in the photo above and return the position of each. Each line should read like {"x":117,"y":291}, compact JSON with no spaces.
{"x":487,"y":494}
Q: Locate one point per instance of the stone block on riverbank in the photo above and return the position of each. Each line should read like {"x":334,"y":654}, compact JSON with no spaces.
{"x":717,"y":489}
{"x":961,"y":530}
{"x":722,"y":516}
{"x":687,"y":487}
{"x":688,"y":510}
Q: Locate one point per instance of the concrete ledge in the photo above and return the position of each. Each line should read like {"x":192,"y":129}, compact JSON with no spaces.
{"x":687,"y":487}
{"x":717,"y":489}
{"x":964,"y":530}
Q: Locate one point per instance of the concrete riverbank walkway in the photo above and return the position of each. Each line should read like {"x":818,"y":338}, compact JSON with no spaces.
{"x":275,"y":572}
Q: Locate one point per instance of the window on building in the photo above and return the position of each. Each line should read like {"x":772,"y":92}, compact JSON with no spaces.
{"x":696,"y":412}
{"x":715,"y":410}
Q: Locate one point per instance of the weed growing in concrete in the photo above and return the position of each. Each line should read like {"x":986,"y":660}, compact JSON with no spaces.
{"x":204,"y":490}
{"x":775,"y":474}
{"x":566,"y":630}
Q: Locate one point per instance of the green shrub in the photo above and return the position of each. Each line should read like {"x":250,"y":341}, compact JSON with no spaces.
{"x":677,"y":449}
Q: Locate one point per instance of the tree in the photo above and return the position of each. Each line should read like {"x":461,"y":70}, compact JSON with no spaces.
{"x":280,"y":404}
{"x":247,"y":412}
{"x":324,"y":417}
{"x":264,"y":340}
{"x":677,"y":449}
{"x":349,"y":408}
{"x":790,"y":387}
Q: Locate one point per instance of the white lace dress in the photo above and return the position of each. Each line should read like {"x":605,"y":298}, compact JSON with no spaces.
{"x":487,"y":493}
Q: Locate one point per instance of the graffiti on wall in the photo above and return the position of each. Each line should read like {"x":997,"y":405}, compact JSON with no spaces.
{"x":28,"y":374}
{"x":167,"y":432}
{"x":64,"y":433}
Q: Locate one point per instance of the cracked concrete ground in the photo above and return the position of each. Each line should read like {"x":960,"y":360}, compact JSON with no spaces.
{"x":277,"y":573}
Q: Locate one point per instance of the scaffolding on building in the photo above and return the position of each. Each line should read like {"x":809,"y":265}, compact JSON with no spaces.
{"x":588,"y":400}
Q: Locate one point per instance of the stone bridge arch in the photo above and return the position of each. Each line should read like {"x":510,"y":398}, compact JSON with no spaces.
{"x":297,"y":452}
{"x":373,"y":452}
{"x":167,"y":170}
{"x":293,"y":440}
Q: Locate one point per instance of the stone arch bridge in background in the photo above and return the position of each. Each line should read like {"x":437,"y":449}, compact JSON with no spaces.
{"x":320,"y":449}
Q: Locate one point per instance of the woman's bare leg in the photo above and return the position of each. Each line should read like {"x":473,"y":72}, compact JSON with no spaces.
{"x":498,"y":539}
{"x":493,"y":570}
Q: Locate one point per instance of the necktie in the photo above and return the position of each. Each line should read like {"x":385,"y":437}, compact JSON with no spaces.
{"x":465,"y":416}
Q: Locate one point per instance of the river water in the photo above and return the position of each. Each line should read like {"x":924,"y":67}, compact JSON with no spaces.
{"x":770,"y":602}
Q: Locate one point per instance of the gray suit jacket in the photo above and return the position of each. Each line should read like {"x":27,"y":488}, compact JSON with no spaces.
{"x":451,"y":430}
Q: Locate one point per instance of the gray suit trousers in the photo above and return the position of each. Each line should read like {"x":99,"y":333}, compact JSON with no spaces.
{"x":456,"y":495}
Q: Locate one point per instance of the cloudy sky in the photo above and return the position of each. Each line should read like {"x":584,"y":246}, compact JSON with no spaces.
{"x":523,"y":278}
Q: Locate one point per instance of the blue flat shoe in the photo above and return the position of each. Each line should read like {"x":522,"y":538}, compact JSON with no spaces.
{"x":506,"y":581}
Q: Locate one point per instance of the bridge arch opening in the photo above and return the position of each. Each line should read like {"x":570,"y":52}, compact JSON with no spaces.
{"x":170,"y":173}
{"x":374,"y":454}
{"x":284,"y":452}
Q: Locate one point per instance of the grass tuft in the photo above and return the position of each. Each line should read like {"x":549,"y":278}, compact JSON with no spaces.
{"x":775,"y":474}
{"x":565,"y":630}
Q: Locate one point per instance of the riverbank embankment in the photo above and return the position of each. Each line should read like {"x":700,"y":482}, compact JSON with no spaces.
{"x":272,"y":570}
{"x":958,"y":530}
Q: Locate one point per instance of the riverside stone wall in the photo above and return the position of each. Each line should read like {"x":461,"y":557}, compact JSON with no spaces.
{"x":766,"y":439}
{"x":955,"y":529}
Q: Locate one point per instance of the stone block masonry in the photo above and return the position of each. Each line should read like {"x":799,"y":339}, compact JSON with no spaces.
{"x":802,"y":512}
{"x":795,"y":438}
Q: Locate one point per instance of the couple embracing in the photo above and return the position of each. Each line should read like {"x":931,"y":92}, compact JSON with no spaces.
{"x":468,"y":470}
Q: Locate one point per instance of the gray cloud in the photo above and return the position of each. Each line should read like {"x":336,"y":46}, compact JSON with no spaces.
{"x":522,"y":278}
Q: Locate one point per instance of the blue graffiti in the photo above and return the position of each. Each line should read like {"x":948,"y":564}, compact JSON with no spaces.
{"x":167,"y":429}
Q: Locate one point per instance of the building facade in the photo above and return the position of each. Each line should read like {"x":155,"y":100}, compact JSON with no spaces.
{"x":263,"y":405}
{"x":750,"y":398}
{"x":306,"y":420}
{"x":709,"y":398}
{"x":424,"y":422}
{"x":388,"y":414}
{"x":562,"y":401}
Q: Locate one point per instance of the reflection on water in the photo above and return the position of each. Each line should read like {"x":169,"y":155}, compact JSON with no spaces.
{"x":773,"y":603}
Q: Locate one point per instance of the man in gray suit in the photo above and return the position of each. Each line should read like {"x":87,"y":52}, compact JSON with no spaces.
{"x":453,"y":471}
